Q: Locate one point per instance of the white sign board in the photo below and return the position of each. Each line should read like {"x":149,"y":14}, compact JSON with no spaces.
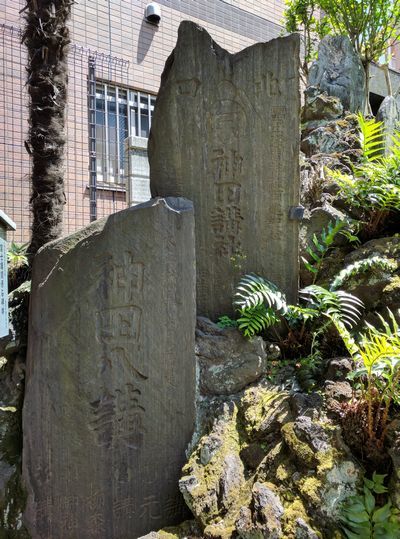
{"x":3,"y":289}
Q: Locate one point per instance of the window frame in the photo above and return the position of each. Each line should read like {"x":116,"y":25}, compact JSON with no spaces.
{"x":133,"y":104}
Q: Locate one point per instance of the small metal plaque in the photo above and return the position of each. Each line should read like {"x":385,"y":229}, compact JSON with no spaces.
{"x":296,"y":213}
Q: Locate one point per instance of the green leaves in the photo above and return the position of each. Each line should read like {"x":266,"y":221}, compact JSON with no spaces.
{"x":320,"y":245}
{"x":336,"y":305}
{"x":362,"y":519}
{"x":254,"y":291}
{"x":255,"y":319}
{"x":16,"y":255}
{"x":259,"y":303}
{"x":371,"y":138}
{"x":370,"y":26}
{"x":226,"y":322}
{"x":374,"y":185}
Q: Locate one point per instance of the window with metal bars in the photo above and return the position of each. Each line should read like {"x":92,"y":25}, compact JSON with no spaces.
{"x":120,"y":113}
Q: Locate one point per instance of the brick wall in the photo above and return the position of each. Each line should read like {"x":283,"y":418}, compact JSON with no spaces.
{"x":128,"y":52}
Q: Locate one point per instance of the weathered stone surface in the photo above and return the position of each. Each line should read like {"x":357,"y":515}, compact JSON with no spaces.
{"x":183,"y":531}
{"x":339,"y":368}
{"x":213,"y":484}
{"x":262,"y":471}
{"x":378,"y":288}
{"x":264,"y":411}
{"x":228,"y":362}
{"x":109,"y":406}
{"x":264,"y":521}
{"x":388,"y":113}
{"x":303,"y":530}
{"x":339,"y":72}
{"x":225,"y":135}
{"x":320,"y":106}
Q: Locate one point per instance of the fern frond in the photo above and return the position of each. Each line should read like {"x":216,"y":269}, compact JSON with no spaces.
{"x":377,"y":345}
{"x":255,"y":319}
{"x":253,"y":291}
{"x":363,"y":266}
{"x":338,"y":305}
{"x":371,"y":138}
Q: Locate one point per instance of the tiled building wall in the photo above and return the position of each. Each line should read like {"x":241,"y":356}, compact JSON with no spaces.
{"x":128,"y":52}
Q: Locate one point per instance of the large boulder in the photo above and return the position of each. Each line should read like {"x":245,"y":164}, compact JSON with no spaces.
{"x":338,"y":71}
{"x":264,"y":471}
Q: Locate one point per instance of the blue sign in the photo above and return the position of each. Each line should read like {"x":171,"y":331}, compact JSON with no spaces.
{"x":3,"y":289}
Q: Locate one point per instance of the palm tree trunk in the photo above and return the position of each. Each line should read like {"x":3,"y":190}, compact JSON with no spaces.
{"x":46,"y":37}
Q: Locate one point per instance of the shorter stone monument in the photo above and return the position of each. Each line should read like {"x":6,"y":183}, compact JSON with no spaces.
{"x":338,"y":71}
{"x":109,"y":404}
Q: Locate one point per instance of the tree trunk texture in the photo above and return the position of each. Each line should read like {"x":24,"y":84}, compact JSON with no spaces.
{"x":46,"y":37}
{"x":368,"y":109}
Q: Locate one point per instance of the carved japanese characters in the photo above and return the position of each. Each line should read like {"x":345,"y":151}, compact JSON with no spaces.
{"x":109,"y":406}
{"x":225,"y":134}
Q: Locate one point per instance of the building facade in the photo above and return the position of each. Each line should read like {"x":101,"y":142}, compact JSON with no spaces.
{"x":115,"y":63}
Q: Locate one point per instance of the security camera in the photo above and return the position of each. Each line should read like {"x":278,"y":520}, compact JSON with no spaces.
{"x":152,"y":13}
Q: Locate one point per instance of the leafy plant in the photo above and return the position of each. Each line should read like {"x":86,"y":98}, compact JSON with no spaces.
{"x":378,"y":353}
{"x":16,"y":255}
{"x":374,"y":184}
{"x":372,"y":28}
{"x":337,"y":306}
{"x":363,"y":266}
{"x":226,"y":322}
{"x":363,"y":518}
{"x":261,"y":305}
{"x":371,"y":138}
{"x":320,"y":245}
{"x":303,"y":16}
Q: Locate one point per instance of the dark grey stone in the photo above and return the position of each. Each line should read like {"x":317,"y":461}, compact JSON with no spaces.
{"x":338,"y":71}
{"x":320,"y":106}
{"x":264,"y":522}
{"x":339,"y":368}
{"x":109,"y":405}
{"x":225,"y":134}
{"x":304,"y":531}
{"x":311,"y":433}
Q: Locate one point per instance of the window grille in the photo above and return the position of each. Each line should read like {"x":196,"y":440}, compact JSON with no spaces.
{"x":120,"y":113}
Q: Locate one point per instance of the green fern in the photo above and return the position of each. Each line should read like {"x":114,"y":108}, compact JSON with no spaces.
{"x":259,"y":303}
{"x":254,"y":291}
{"x":323,"y":243}
{"x":371,"y":138}
{"x":374,"y":184}
{"x":254,"y":320}
{"x":363,"y":266}
{"x":336,"y":305}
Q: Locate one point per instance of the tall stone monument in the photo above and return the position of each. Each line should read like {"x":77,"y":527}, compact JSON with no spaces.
{"x":109,"y":406}
{"x":225,"y":134}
